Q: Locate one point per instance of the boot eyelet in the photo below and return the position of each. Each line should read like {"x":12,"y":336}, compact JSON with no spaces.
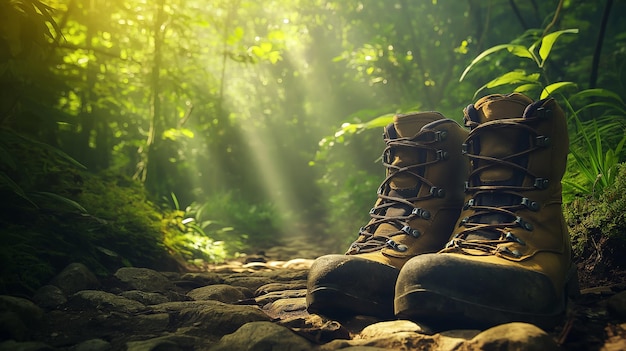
{"x":505,"y":250}
{"x":420,"y":212}
{"x":543,"y":112}
{"x":522,"y":223}
{"x":542,"y":141}
{"x":442,"y":155}
{"x":410,"y":231}
{"x":541,"y":183}
{"x":469,"y":204}
{"x":463,"y":149}
{"x":531,"y":205}
{"x":373,"y":211}
{"x":396,"y":246}
{"x":510,"y":237}
{"x":465,"y":220}
{"x":437,"y":192}
{"x":441,"y":135}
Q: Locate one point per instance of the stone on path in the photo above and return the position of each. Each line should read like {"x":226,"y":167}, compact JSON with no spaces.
{"x":262,"y":336}
{"x":512,"y":336}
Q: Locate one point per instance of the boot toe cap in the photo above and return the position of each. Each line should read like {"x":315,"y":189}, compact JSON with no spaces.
{"x":344,"y":285}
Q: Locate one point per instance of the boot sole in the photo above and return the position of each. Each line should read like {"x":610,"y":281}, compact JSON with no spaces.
{"x":338,"y":304}
{"x":438,"y":315}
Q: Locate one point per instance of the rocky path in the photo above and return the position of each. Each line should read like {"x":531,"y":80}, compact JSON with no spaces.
{"x":258,"y":306}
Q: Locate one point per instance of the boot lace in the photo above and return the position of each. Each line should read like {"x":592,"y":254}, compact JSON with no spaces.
{"x":489,"y":224}
{"x":392,"y":201}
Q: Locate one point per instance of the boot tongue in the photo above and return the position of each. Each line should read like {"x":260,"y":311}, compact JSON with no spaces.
{"x":404,"y":185}
{"x":504,"y":142}
{"x":407,"y":126}
{"x":497,"y":143}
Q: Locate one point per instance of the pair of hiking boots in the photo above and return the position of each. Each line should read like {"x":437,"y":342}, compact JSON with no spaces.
{"x":468,"y":229}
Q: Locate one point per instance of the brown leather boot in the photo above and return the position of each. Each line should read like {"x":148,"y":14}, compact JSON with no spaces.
{"x":418,"y":204}
{"x":509,"y":257}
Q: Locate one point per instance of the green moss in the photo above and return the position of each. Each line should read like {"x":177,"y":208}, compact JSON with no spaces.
{"x":54,"y":213}
{"x":592,"y":220}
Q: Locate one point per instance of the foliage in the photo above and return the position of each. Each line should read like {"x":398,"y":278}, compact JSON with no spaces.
{"x":64,"y":214}
{"x":190,"y":242}
{"x":224,"y":102}
{"x":526,"y":82}
{"x":593,"y":159}
{"x":222,"y":227}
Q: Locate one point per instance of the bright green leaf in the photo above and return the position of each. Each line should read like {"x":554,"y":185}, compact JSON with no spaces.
{"x":514,"y":77}
{"x":517,"y":50}
{"x":550,"y":89}
{"x":548,"y":41}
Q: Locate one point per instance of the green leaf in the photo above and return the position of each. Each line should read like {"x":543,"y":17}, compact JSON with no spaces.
{"x":525,"y":88}
{"x":514,"y":77}
{"x":61,"y":199}
{"x":517,"y":50}
{"x":9,"y":183}
{"x":595,"y":93}
{"x":547,"y":91}
{"x":548,"y":41}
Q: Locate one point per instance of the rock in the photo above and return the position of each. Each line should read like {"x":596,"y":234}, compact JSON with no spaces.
{"x":278,"y":295}
{"x":93,"y":345}
{"x":262,"y":336}
{"x":274,"y":287}
{"x":250,"y":282}
{"x":219,"y":292}
{"x":144,"y":279}
{"x":286,"y":308}
{"x":285,"y":275}
{"x":391,"y":327}
{"x":616,"y":305}
{"x":395,"y":341}
{"x":12,"y":345}
{"x":616,"y":340}
{"x":316,"y":328}
{"x":104,"y":301}
{"x":49,"y":296}
{"x":151,"y":323}
{"x":196,"y":280}
{"x":146,"y":298}
{"x":512,"y":336}
{"x":18,"y":317}
{"x":164,"y":343}
{"x":217,"y":318}
{"x":75,"y":277}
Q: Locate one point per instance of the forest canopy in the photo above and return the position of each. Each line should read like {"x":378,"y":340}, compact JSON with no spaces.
{"x":240,"y":121}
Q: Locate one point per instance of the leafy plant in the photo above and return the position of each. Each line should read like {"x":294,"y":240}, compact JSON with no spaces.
{"x":591,"y":146}
{"x":536,"y":80}
{"x":189,"y":241}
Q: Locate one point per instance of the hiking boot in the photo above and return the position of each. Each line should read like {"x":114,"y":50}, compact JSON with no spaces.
{"x":509,"y":257}
{"x":418,"y":203}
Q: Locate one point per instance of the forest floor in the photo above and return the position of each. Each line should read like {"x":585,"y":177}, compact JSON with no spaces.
{"x":593,"y":321}
{"x":260,"y":300}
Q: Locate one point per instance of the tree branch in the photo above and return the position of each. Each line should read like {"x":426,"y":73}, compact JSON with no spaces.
{"x":593,"y":77}
{"x":554,"y":19}
{"x":518,"y":14}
